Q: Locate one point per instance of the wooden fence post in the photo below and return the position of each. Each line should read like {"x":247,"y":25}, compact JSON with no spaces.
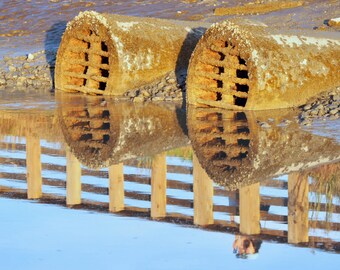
{"x":250,"y":209}
{"x":73,"y":175}
{"x":158,"y":186}
{"x":116,"y":187}
{"x":203,"y":195}
{"x":298,"y":207}
{"x":33,"y":166}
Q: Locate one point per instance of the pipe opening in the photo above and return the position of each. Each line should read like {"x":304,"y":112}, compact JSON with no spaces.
{"x":106,"y":138}
{"x":220,"y":76}
{"x":89,"y":126}
{"x":86,"y":63}
{"x":242,"y":142}
{"x":240,"y":116}
{"x":106,"y":113}
{"x":219,"y":155}
{"x":85,"y":137}
{"x":224,"y":145}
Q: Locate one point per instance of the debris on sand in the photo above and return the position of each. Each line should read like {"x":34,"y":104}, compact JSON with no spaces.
{"x":257,"y":8}
{"x":334,"y":23}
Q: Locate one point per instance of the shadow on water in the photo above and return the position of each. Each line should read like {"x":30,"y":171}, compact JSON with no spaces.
{"x":52,"y":42}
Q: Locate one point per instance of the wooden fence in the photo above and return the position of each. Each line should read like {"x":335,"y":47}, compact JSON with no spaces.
{"x":205,"y":205}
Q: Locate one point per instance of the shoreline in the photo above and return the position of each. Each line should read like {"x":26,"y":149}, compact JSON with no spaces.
{"x":33,"y":74}
{"x":32,"y":70}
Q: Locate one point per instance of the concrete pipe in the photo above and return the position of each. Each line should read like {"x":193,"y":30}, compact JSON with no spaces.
{"x":101,"y":132}
{"x":109,"y":54}
{"x":246,"y":65}
{"x":236,"y":151}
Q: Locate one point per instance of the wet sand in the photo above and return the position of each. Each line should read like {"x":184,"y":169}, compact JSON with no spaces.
{"x":30,"y":26}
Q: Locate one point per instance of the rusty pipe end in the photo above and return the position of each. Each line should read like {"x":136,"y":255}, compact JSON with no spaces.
{"x":219,"y":69}
{"x":87,"y":56}
{"x":250,"y":66}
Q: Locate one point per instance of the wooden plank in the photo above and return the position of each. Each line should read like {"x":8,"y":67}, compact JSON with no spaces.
{"x":89,"y":51}
{"x":73,"y":183}
{"x":277,"y":201}
{"x":116,"y":187}
{"x":33,"y":165}
{"x":226,"y":223}
{"x":158,"y":186}
{"x":250,"y":209}
{"x":203,"y":195}
{"x":234,"y":210}
{"x":297,"y":208}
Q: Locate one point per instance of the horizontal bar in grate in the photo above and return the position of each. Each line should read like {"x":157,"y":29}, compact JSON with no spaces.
{"x":90,"y":64}
{"x":86,"y":76}
{"x":222,"y":63}
{"x":225,"y":50}
{"x":89,"y":51}
{"x":83,"y":89}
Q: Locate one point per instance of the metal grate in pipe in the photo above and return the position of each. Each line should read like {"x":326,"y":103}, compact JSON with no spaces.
{"x":223,"y":138}
{"x":88,"y":63}
{"x":88,"y":126}
{"x":221,"y":76}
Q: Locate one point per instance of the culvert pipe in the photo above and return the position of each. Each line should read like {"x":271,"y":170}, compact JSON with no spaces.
{"x":101,"y":132}
{"x":236,"y":151}
{"x":246,"y":65}
{"x":110,"y":54}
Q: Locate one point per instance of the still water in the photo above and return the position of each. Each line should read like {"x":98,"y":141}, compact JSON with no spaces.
{"x":90,"y":182}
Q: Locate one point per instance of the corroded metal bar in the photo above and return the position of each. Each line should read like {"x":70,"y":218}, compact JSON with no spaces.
{"x":109,"y":54}
{"x":102,"y":132}
{"x":236,"y":151}
{"x":246,"y":65}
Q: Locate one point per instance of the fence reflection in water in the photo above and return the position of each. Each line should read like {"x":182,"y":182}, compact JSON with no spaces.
{"x":41,"y":157}
{"x":245,"y":216}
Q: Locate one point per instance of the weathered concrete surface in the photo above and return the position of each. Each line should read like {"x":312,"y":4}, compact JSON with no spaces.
{"x":241,"y":148}
{"x":246,"y":65}
{"x":102,"y":132}
{"x":110,"y":54}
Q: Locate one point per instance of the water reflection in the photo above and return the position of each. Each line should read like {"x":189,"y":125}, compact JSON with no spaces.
{"x":246,"y":247}
{"x":40,"y":162}
{"x":101,"y":132}
{"x":236,"y":149}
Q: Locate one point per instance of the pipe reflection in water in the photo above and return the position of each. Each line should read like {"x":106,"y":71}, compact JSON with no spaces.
{"x":101,"y":132}
{"x":236,"y":151}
